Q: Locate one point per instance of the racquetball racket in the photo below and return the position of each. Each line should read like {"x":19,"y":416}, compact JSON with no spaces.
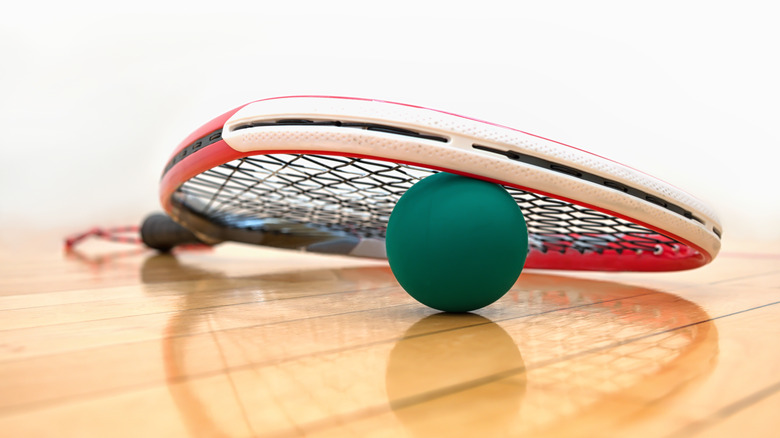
{"x":322,"y":174}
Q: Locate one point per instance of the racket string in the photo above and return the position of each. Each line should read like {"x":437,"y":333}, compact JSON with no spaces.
{"x":356,"y":195}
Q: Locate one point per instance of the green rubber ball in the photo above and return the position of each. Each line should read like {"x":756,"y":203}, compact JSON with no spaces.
{"x":455,"y":243}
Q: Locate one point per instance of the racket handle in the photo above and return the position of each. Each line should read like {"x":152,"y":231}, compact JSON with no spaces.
{"x":160,"y":232}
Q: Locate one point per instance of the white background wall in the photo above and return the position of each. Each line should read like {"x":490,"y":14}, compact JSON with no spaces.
{"x":93,"y":98}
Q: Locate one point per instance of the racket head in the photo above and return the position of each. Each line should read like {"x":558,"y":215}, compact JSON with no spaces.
{"x":322,"y":174}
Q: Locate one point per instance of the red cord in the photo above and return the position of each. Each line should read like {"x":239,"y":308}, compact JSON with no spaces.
{"x":115,"y":234}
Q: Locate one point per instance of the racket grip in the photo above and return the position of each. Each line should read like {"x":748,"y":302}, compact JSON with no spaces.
{"x":160,"y":232}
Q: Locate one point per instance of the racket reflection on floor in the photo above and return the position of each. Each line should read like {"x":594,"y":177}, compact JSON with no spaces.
{"x":260,"y":359}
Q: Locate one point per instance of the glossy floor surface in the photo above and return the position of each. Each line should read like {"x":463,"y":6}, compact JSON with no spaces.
{"x":242,"y":341}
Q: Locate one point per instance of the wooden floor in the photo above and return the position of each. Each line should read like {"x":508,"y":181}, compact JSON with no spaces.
{"x":243,"y":341}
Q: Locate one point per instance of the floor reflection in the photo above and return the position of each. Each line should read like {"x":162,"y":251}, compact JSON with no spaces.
{"x":321,"y":350}
{"x":474,"y":365}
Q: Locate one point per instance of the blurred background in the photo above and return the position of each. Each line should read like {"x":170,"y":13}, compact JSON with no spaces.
{"x":95,"y":97}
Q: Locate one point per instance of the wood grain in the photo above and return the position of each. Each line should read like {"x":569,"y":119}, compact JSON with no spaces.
{"x":245,"y":341}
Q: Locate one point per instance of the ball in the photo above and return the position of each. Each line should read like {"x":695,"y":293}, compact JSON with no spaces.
{"x":455,"y":243}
